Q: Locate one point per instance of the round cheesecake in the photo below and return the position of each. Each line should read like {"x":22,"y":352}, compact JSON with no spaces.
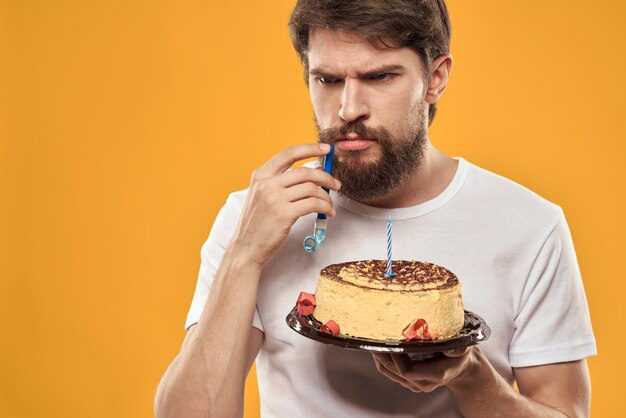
{"x":365,"y":303}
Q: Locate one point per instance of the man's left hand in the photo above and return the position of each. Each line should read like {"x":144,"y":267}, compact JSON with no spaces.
{"x":424,"y":375}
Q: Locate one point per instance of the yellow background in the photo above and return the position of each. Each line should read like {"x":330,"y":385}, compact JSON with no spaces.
{"x":125,"y":124}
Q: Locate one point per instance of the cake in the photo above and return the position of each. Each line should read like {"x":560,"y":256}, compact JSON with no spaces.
{"x":421,"y":300}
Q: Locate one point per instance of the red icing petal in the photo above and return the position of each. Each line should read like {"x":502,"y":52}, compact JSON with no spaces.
{"x":304,"y":296}
{"x":305,"y":310}
{"x":426,"y":333}
{"x":411,"y":331}
{"x":305,"y":303}
{"x":330,"y":327}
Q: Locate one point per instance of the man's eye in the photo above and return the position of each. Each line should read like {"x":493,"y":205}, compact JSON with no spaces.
{"x":327,"y":80}
{"x":383,"y":76}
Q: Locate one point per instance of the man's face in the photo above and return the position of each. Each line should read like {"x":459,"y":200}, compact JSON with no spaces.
{"x":369,"y":103}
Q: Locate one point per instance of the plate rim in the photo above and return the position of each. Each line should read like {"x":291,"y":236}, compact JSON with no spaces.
{"x":306,"y":325}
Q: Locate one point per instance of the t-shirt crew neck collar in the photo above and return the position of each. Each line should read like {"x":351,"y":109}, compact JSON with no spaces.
{"x":412,"y":211}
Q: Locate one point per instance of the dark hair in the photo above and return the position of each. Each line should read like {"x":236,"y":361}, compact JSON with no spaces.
{"x":422,"y":25}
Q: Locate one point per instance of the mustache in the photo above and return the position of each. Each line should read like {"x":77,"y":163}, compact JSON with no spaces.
{"x":332,"y":135}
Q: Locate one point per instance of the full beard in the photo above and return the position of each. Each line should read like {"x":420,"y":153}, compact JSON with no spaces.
{"x":364,"y":180}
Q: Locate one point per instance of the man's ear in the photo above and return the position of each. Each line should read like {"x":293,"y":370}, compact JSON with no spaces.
{"x":441,"y":69}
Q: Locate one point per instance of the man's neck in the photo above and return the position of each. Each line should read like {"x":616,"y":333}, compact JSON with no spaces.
{"x":429,"y":180}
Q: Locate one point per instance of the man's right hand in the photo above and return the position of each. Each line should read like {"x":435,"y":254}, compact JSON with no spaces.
{"x":277,"y":198}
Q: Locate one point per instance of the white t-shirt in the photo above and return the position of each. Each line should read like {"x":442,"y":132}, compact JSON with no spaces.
{"x":510,"y":248}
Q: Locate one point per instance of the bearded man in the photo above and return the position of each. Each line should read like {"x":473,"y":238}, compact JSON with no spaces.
{"x":375,"y":71}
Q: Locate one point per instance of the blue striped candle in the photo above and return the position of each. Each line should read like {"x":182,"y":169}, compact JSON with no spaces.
{"x":389,"y":273}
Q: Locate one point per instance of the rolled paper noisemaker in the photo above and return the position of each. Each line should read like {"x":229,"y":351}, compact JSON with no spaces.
{"x":312,"y":242}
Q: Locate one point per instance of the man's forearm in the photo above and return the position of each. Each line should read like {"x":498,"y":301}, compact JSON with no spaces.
{"x":208,"y":375}
{"x":482,"y":392}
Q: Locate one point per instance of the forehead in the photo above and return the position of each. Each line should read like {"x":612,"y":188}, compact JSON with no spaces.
{"x":342,"y":51}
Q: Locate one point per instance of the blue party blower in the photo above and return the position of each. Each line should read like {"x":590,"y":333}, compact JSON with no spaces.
{"x":312,"y":242}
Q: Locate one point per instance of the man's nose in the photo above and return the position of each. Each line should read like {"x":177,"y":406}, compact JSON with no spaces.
{"x":353,"y":104}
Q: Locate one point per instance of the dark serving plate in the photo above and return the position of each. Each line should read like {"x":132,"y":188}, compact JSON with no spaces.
{"x":475,"y":330}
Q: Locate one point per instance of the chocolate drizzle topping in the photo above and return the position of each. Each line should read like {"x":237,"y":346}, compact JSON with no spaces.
{"x":411,"y":275}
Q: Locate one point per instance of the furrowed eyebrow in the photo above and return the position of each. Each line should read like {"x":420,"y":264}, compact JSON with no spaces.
{"x":381,"y":70}
{"x":319,"y":72}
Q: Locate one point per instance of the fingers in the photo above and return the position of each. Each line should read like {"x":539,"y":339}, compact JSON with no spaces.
{"x":305,"y":190}
{"x":306,"y":174}
{"x":458,"y":352}
{"x":382,"y":366}
{"x":440,"y":369}
{"x":424,"y":376}
{"x":302,"y":187}
{"x":276,"y":199}
{"x":411,"y":371}
{"x":310,"y":205}
{"x":402,"y":363}
{"x":287,"y":157}
{"x":384,"y":359}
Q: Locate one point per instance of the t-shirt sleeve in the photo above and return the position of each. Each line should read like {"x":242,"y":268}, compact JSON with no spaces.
{"x":211,"y":256}
{"x":553,"y":323}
